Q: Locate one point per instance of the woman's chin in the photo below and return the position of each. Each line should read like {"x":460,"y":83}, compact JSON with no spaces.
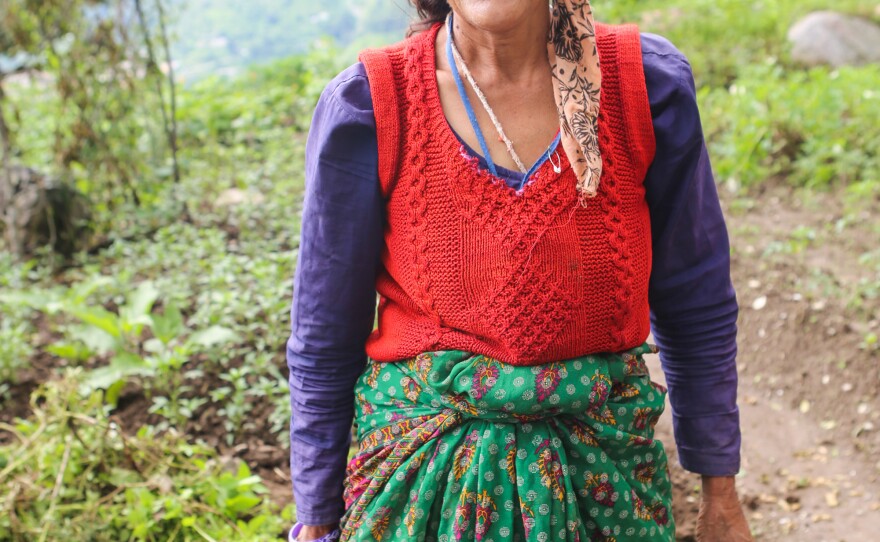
{"x":497,"y":16}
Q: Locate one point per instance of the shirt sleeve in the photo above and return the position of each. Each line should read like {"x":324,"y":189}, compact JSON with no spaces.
{"x":693,"y":303}
{"x":334,"y":292}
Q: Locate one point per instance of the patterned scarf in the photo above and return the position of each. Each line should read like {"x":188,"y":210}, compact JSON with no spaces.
{"x":574,"y":61}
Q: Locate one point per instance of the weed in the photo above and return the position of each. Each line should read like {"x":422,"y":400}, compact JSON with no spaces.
{"x":72,"y":468}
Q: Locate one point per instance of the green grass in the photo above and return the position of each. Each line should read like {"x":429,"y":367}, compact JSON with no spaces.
{"x":71,"y":473}
{"x":723,"y":37}
{"x":764,"y":117}
{"x":813,"y":128}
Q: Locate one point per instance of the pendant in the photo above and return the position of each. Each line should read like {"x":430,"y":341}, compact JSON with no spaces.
{"x":557,"y":166}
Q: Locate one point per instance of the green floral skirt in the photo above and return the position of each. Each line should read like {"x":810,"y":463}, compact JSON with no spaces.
{"x":455,"y":446}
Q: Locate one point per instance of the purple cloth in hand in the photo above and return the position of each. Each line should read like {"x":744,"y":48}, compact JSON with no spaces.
{"x":693,"y":304}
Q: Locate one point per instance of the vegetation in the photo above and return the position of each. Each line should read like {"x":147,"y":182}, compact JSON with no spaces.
{"x":764,"y":116}
{"x":139,"y":379}
{"x":78,"y":473}
{"x":221,"y":36}
{"x":169,"y":330}
{"x":813,"y":128}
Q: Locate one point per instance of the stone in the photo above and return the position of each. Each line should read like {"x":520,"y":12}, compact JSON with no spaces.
{"x":37,"y":210}
{"x":233,"y":197}
{"x":834,"y":39}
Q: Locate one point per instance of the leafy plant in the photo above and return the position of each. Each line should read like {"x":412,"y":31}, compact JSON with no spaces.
{"x":814,"y":128}
{"x":119,"y":336}
{"x":15,"y":350}
{"x":99,"y":80}
{"x":234,"y":395}
{"x":73,"y":469}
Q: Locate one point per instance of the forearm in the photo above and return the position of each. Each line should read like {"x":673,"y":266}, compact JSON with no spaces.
{"x":698,"y":351}
{"x":321,"y":399}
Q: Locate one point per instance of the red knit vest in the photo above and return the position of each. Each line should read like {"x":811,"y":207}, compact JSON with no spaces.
{"x":469,"y":264}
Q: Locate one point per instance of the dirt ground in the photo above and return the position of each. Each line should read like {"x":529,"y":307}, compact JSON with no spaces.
{"x":806,"y":271}
{"x":809,"y":377}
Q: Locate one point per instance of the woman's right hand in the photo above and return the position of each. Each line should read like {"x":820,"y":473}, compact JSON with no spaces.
{"x":721,"y":515}
{"x":314,"y":532}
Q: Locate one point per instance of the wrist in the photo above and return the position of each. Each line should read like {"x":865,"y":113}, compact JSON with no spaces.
{"x":304,"y":532}
{"x":718,"y":487}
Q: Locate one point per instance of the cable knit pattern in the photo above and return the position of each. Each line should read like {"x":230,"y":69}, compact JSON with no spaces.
{"x":470,"y":264}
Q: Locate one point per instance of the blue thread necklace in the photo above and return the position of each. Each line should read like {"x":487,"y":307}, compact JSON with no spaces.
{"x":452,"y":55}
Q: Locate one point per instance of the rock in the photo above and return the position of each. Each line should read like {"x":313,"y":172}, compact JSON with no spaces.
{"x":37,"y":210}
{"x":831,"y":499}
{"x":834,"y":39}
{"x":233,"y":197}
{"x":759,"y":303}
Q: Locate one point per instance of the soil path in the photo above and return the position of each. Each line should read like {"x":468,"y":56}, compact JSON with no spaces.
{"x":807,"y":271}
{"x":795,"y":483}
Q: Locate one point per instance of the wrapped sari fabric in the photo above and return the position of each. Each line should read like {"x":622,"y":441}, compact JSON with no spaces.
{"x":455,"y":446}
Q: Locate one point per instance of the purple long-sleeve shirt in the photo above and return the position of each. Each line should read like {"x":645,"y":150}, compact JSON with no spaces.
{"x":693,"y":304}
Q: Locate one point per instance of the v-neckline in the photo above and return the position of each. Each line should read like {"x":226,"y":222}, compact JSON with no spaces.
{"x":506,"y":173}
{"x":539,"y":173}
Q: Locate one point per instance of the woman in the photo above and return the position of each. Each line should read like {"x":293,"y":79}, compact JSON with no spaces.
{"x":516,"y":204}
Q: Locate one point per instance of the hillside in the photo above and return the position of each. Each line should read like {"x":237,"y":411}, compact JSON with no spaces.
{"x":224,"y":36}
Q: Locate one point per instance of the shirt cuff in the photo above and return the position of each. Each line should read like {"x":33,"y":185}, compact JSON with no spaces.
{"x":319,"y":516}
{"x":709,"y":445}
{"x":294,"y":532}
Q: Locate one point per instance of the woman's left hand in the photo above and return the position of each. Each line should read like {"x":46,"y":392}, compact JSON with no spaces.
{"x":721,"y":517}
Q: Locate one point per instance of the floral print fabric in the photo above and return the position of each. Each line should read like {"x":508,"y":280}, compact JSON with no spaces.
{"x":577,"y":80}
{"x":455,"y":446}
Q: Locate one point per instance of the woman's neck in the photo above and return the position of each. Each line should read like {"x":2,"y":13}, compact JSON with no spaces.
{"x":511,"y":53}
